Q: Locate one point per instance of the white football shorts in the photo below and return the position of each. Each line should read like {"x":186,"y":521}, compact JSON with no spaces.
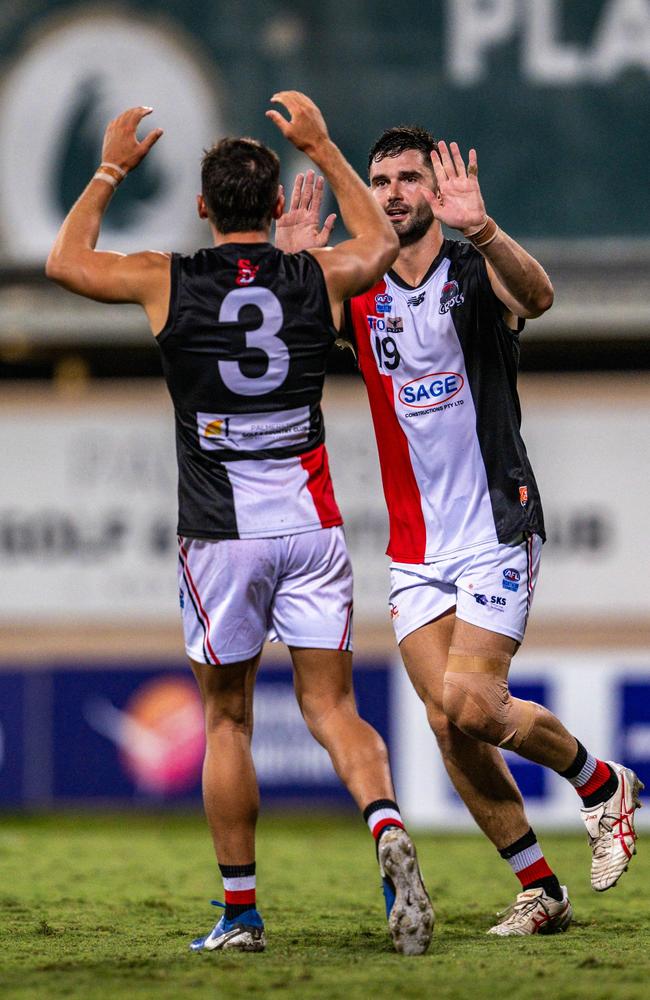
{"x":491,"y":587}
{"x":235,"y":592}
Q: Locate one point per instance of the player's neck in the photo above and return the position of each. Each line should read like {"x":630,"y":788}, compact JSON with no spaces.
{"x":248,"y":236}
{"x":414,"y":261}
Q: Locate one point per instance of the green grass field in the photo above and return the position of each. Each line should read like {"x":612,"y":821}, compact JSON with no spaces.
{"x":103,"y":907}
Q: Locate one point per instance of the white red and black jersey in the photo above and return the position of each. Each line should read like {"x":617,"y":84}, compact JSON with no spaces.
{"x":440,"y":366}
{"x":243,"y":354}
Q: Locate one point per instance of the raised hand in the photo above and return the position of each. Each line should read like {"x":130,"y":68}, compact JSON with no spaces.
{"x":299,"y":227}
{"x":306,"y":127}
{"x":121,"y":144}
{"x":458,"y":201}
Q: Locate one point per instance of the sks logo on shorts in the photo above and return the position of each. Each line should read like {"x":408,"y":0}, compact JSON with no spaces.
{"x":492,"y":601}
{"x":383,"y":302}
{"x":246,"y":272}
{"x":431,"y":390}
{"x":451,"y":296}
{"x":511,"y":578}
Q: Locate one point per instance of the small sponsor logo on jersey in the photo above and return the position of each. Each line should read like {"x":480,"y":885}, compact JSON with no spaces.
{"x":394,"y":611}
{"x":394,"y":324}
{"x":433,"y":389}
{"x":217,"y":428}
{"x":376,"y":323}
{"x":523,"y":495}
{"x":383,"y":302}
{"x":511,"y":578}
{"x":246,"y":272}
{"x":416,"y":300}
{"x":451,"y":296}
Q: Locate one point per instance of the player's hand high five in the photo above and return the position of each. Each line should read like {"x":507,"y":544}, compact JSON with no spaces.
{"x":458,"y":202}
{"x":306,"y":127}
{"x":121,"y":144}
{"x":299,"y":228}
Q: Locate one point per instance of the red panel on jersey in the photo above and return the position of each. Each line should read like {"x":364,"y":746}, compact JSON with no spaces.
{"x":319,"y":484}
{"x":408,"y":534}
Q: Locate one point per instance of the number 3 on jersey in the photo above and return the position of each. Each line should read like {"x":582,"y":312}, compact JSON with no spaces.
{"x":264,"y":338}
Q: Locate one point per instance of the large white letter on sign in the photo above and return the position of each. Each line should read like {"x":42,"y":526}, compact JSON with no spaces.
{"x":472,"y":27}
{"x":546,"y":58}
{"x":623,"y":39}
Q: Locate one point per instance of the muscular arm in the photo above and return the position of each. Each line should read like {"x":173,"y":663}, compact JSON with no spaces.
{"x":517,"y":279}
{"x":76,"y":264}
{"x":355,"y":264}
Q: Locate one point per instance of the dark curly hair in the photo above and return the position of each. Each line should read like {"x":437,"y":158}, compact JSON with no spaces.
{"x":398,"y":140}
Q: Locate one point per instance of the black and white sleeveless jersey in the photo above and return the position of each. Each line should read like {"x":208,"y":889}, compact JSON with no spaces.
{"x":440,"y":366}
{"x":243,"y":354}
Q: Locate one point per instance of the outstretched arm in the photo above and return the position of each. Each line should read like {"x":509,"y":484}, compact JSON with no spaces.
{"x":517,"y":279}
{"x":356,"y":264}
{"x":74,"y":262}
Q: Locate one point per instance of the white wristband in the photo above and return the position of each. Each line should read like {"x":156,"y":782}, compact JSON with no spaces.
{"x":101,"y":176}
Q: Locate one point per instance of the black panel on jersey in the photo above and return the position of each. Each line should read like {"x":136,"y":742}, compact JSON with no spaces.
{"x":195,"y":343}
{"x":491,"y":351}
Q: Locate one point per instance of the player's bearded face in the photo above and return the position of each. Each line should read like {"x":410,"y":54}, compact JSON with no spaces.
{"x":412,"y":222}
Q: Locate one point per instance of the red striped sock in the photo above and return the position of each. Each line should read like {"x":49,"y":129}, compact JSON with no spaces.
{"x":381,"y":814}
{"x":239,"y":885}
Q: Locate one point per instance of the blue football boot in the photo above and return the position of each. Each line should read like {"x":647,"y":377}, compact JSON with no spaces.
{"x":244,"y":933}
{"x":408,"y":907}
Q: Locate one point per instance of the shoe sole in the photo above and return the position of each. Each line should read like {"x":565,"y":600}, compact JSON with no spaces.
{"x":637,"y":787}
{"x":412,"y":918}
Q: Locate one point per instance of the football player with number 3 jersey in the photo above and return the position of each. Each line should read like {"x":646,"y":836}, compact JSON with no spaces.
{"x":437,"y":340}
{"x":244,"y":331}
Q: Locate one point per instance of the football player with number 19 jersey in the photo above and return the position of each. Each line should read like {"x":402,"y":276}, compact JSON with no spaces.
{"x":438,"y":345}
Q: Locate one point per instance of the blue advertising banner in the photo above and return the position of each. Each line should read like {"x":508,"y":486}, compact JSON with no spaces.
{"x":12,"y":705}
{"x":137,"y":736}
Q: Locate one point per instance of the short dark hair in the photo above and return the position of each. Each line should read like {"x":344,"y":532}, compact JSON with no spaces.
{"x":398,"y":140}
{"x":239,"y":181}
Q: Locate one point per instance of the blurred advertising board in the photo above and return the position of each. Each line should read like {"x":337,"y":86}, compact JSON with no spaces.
{"x":87,"y":505}
{"x":548,"y":91}
{"x":125,"y":735}
{"x":603,"y":699}
{"x":132,"y":736}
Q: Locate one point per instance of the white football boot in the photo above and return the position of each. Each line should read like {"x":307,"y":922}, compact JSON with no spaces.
{"x":408,"y":907}
{"x":610,"y":827}
{"x":534,"y":912}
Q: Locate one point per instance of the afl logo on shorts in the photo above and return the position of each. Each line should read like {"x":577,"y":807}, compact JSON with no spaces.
{"x":431,"y":390}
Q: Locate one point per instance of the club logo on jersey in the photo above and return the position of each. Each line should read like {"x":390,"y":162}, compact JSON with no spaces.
{"x":431,"y":390}
{"x":246,"y":272}
{"x":451,"y":296}
{"x":383,"y":302}
{"x":394,"y":324}
{"x":416,"y":300}
{"x":523,"y":495}
{"x":511,"y":578}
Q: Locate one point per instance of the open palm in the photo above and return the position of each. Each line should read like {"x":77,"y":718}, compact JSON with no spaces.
{"x":299,"y":228}
{"x":458,"y":202}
